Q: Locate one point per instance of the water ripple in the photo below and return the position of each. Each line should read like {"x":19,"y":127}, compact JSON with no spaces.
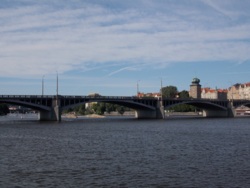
{"x":126,"y":153}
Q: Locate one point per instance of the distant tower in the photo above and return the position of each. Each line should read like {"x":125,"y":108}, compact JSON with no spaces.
{"x":195,"y":89}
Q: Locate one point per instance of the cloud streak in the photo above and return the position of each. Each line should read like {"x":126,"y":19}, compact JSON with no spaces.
{"x":131,"y":68}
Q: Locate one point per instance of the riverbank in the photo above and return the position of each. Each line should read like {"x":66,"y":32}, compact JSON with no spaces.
{"x":183,"y":114}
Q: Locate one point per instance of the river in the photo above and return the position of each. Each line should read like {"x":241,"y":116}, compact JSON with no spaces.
{"x":125,"y":152}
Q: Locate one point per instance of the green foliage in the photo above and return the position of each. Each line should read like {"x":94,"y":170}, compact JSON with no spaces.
{"x":110,"y":107}
{"x":4,"y":110}
{"x":182,"y":108}
{"x":97,"y":108}
{"x":68,"y":110}
{"x":184,"y":94}
{"x":172,"y":92}
{"x":81,"y":109}
{"x":169,"y":91}
{"x":120,"y":109}
{"x":89,"y":110}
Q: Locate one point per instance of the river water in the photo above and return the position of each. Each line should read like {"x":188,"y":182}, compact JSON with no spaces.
{"x":125,"y":152}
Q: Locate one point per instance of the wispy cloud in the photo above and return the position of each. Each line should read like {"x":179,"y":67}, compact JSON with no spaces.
{"x":39,"y":39}
{"x":214,"y":5}
{"x":130,"y":68}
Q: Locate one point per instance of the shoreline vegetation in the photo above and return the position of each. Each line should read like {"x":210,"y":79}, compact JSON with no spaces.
{"x":74,"y":115}
{"x":88,"y":116}
{"x":129,"y":113}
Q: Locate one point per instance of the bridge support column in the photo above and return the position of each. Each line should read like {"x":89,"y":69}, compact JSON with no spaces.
{"x":54,"y":114}
{"x":158,"y":113}
{"x":231,"y":110}
{"x":215,"y":113}
{"x":145,"y":114}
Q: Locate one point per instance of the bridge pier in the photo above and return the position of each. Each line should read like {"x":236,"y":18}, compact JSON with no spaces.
{"x":231,"y":109}
{"x":54,"y":114}
{"x":215,"y":113}
{"x":158,"y":113}
{"x":230,"y":112}
{"x":145,"y":114}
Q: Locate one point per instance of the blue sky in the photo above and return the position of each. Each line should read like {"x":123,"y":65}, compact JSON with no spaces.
{"x":108,"y":46}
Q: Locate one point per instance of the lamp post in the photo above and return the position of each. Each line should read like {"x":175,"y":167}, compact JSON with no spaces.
{"x":231,"y":91}
{"x":56,"y":88}
{"x":43,"y":85}
{"x":161,"y":103}
{"x":56,"y":83}
{"x":232,"y":102}
{"x":137,"y":87}
{"x":161,"y":91}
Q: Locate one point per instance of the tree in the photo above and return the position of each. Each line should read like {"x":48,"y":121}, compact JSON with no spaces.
{"x":94,"y":107}
{"x":88,"y":110}
{"x":120,"y":109}
{"x":68,"y":110}
{"x":169,"y":91}
{"x":110,"y":107}
{"x":99,"y":108}
{"x":4,"y":109}
{"x":184,"y":94}
{"x":81,"y":109}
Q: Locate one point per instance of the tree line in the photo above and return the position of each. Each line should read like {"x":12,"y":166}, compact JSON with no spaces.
{"x":97,"y":108}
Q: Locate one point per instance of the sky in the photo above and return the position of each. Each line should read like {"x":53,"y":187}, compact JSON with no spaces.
{"x":111,"y":46}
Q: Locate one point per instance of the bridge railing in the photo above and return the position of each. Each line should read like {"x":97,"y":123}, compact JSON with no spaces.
{"x":26,"y":96}
{"x":110,"y":97}
{"x":71,"y":96}
{"x":102,"y":97}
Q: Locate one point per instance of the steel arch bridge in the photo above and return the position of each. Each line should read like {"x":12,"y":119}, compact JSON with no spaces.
{"x":51,"y":106}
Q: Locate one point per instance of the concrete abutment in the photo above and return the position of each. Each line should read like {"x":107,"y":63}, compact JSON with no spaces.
{"x":54,"y":114}
{"x":230,"y":112}
{"x":158,"y":113}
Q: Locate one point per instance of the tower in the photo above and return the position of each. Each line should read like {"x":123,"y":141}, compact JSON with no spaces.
{"x":195,"y":89}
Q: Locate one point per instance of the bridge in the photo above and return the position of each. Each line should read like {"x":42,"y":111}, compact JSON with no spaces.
{"x":50,"y":107}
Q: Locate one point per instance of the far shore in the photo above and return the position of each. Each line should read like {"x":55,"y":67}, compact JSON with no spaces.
{"x":167,"y":114}
{"x":183,"y":114}
{"x":72,"y":115}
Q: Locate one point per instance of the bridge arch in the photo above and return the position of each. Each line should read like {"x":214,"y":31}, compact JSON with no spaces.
{"x":247,"y":104}
{"x":200,"y":104}
{"x":27,"y":104}
{"x":144,"y":108}
{"x":129,"y":104}
{"x":209,"y":108}
{"x":47,"y":107}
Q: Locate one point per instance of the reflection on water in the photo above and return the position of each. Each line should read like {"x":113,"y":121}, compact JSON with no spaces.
{"x":125,"y":152}
{"x":19,"y":116}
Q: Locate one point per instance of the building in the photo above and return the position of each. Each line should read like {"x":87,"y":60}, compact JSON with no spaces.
{"x":244,"y":91}
{"x":233,"y":92}
{"x":195,"y":89}
{"x":239,"y":91}
{"x":155,"y":95}
{"x":208,"y":93}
